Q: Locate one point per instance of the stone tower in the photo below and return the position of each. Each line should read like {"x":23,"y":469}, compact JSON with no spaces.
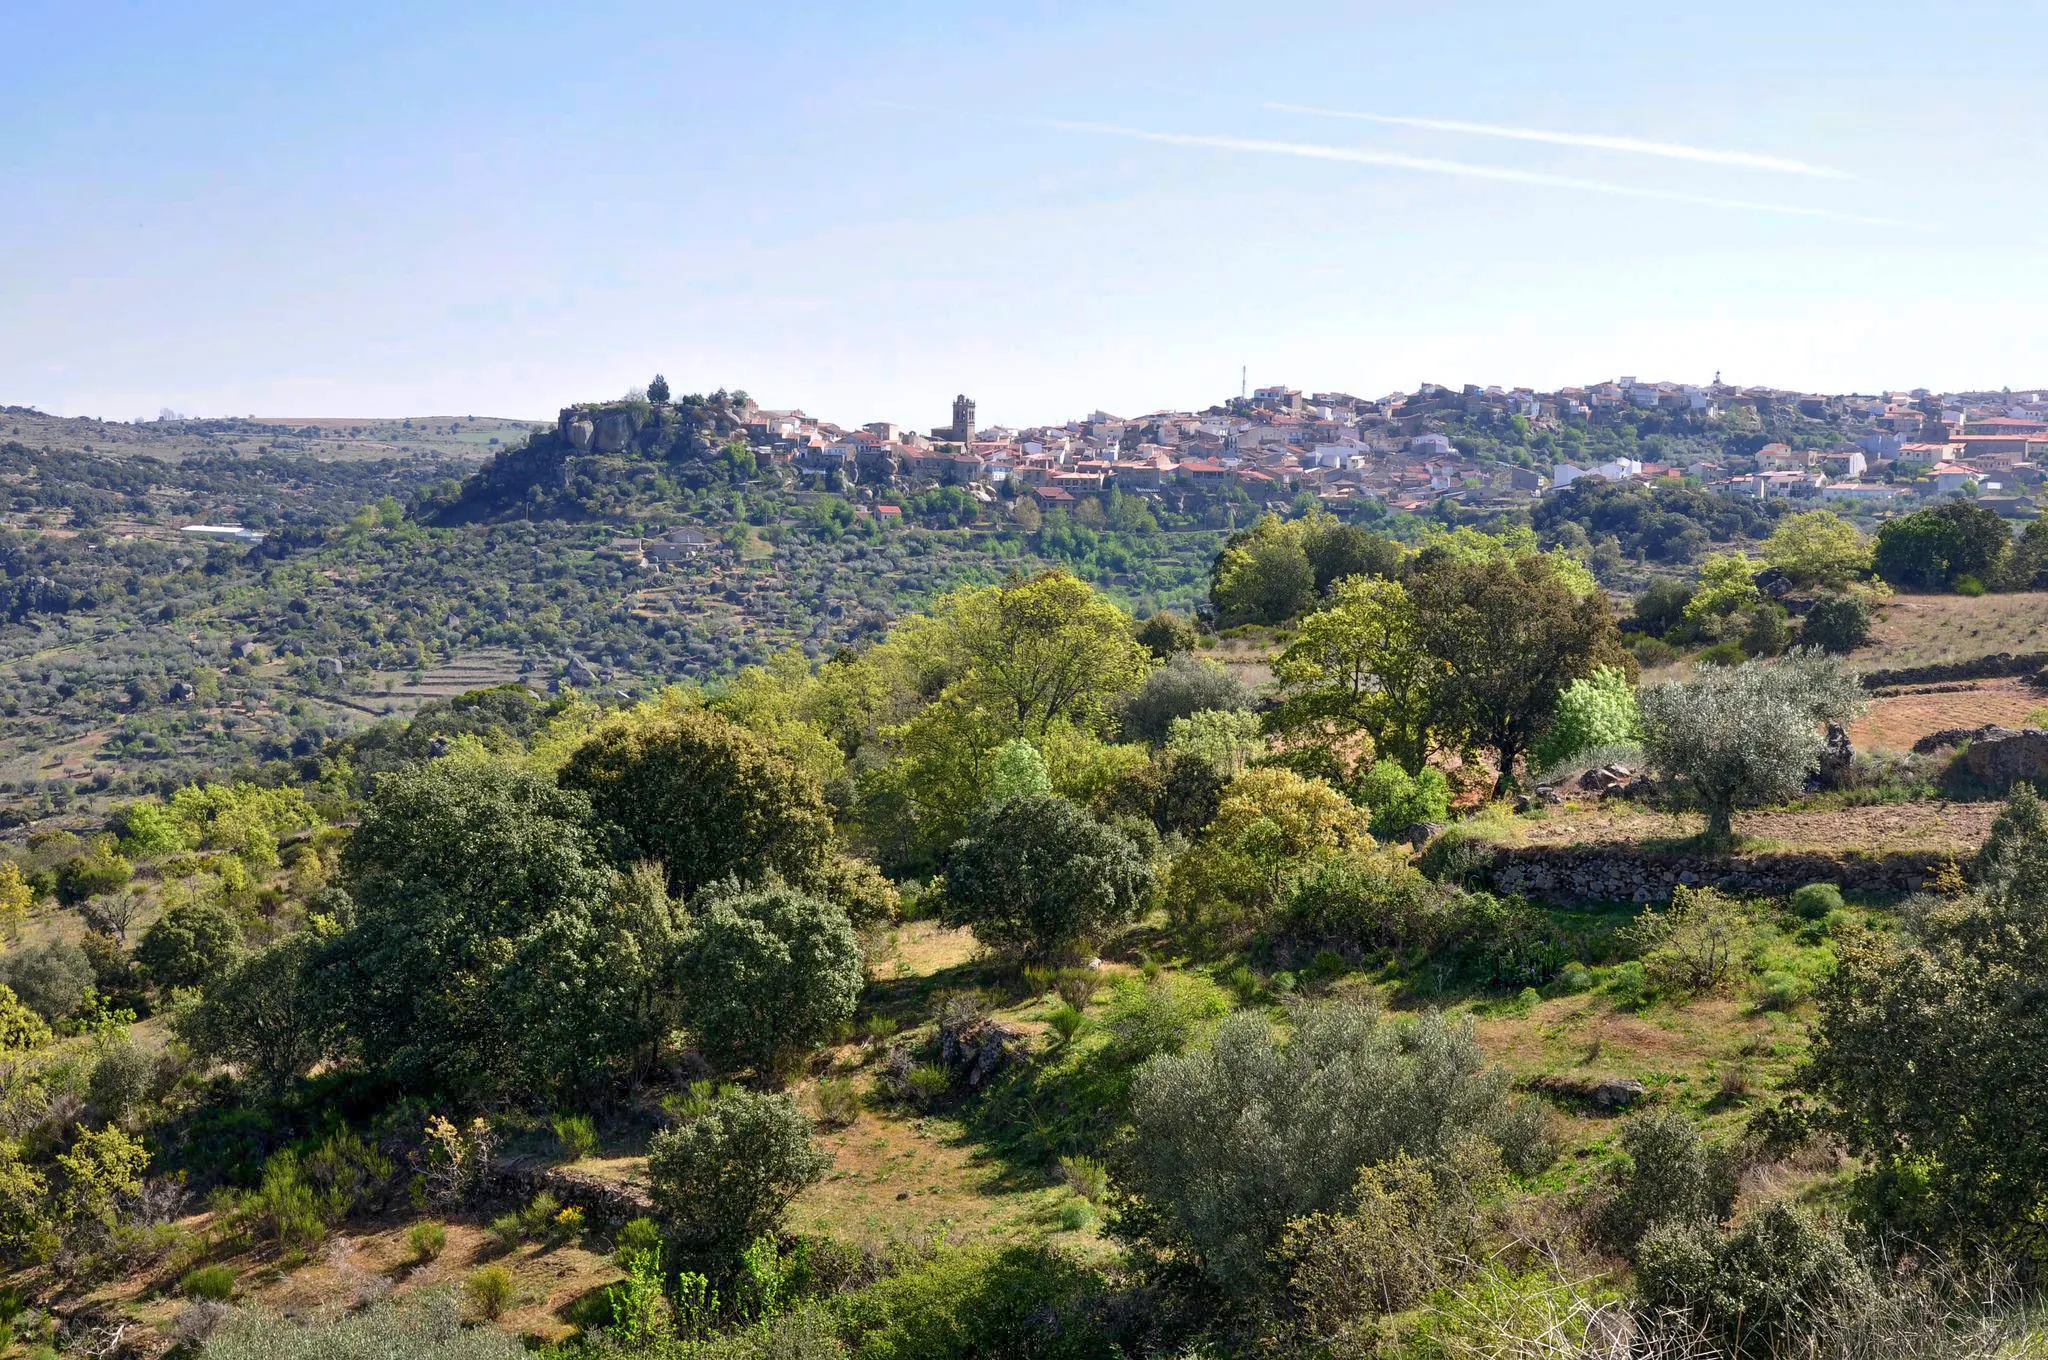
{"x":963,"y":419}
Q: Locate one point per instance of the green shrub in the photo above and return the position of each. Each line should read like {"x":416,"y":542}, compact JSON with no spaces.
{"x":215,"y":1284}
{"x":1074,"y":1217}
{"x":566,"y":1227}
{"x":576,"y":1135}
{"x":1161,"y":1015}
{"x":416,"y":1329}
{"x":1816,"y":900}
{"x":770,"y":973}
{"x":1752,"y":1287}
{"x":838,"y":1101}
{"x":928,"y":1083}
{"x":489,"y":1291}
{"x":1597,"y":710}
{"x":638,"y":1237}
{"x":426,"y":1241}
{"x":1234,"y":1140}
{"x":1629,"y":984}
{"x":1969,"y":585}
{"x":539,"y":1212}
{"x":1017,"y":1303}
{"x":1086,"y":1177}
{"x":1400,"y":800}
{"x":1065,"y":1021}
{"x":1572,"y":979}
{"x":1778,"y":990}
{"x":723,"y":1179}
{"x":509,"y":1229}
{"x":1670,"y":1174}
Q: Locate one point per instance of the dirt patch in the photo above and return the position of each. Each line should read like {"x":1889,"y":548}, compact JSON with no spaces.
{"x":1894,"y":722}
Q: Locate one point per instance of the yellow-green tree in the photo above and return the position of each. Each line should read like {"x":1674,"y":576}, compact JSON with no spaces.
{"x":1818,"y":548}
{"x":1271,"y":827}
{"x":1358,"y":667}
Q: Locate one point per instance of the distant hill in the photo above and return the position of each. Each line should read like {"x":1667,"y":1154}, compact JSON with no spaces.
{"x":468,"y":438}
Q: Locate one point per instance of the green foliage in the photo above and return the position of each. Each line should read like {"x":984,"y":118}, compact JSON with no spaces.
{"x":769,"y":974}
{"x":426,"y":1240}
{"x":1670,"y":1174}
{"x":1183,"y":687}
{"x":1598,"y":710}
{"x":99,"y":1172}
{"x":1263,"y":575}
{"x":721,"y":1180}
{"x":1012,"y":1303}
{"x":1235,"y":1140}
{"x":1359,"y":666}
{"x":1695,"y":945}
{"x":1836,"y":623}
{"x":1399,"y":800}
{"x":1933,"y":549}
{"x":21,"y":1029}
{"x":489,"y":1291}
{"x":1271,"y":827}
{"x":702,"y":796}
{"x":1815,"y":900}
{"x":216,"y":1284}
{"x":414,"y":1329}
{"x":103,"y":870}
{"x":1018,"y":771}
{"x":265,"y":1017}
{"x":1166,"y":634}
{"x":575,"y":1134}
{"x":1746,"y":734}
{"x":1754,"y":1288}
{"x":1041,"y":876}
{"x":1817,"y":548}
{"x":1511,"y":635}
{"x":52,"y":979}
{"x":492,"y":948}
{"x":1150,"y":1016}
{"x":192,"y":945}
{"x":1408,"y":1227}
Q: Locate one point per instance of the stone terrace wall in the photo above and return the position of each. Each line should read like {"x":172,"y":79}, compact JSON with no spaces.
{"x":606,"y":1203}
{"x":1620,"y":873}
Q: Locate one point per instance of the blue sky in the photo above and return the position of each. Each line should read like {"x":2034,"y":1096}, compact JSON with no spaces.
{"x":431,"y":208}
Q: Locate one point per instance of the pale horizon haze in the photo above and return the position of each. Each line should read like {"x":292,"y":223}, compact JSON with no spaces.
{"x":440,"y":208}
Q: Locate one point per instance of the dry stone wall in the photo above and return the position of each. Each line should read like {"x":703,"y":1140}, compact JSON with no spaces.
{"x":1573,"y":874}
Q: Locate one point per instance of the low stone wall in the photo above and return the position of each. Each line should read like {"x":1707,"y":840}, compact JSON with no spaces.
{"x":605,"y":1203}
{"x":1620,"y":873}
{"x":1976,"y":668}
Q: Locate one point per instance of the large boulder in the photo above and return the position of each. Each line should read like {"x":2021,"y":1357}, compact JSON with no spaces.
{"x":580,"y":432}
{"x":2001,"y":757}
{"x":614,"y":431}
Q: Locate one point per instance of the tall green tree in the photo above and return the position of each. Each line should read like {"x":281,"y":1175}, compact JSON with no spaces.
{"x":1263,"y":575}
{"x":1040,"y":875}
{"x":493,"y":948}
{"x":768,"y":973}
{"x":1932,"y":549}
{"x":1358,"y":666}
{"x":703,"y":796}
{"x":1511,"y":635}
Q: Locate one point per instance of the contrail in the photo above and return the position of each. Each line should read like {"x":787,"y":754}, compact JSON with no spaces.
{"x":1748,"y":160}
{"x":1462,"y":169}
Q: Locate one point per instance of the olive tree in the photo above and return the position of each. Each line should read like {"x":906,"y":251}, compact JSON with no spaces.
{"x":768,"y":974}
{"x":1235,"y":1139}
{"x":1041,"y":876}
{"x":1745,"y":735}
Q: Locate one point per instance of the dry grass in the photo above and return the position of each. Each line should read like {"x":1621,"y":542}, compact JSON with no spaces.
{"x":1904,"y":826}
{"x":1922,"y":630}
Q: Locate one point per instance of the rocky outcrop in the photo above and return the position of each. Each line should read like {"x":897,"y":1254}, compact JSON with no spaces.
{"x":1622,"y":873}
{"x":579,"y":432}
{"x":2000,"y":757}
{"x":615,"y":430}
